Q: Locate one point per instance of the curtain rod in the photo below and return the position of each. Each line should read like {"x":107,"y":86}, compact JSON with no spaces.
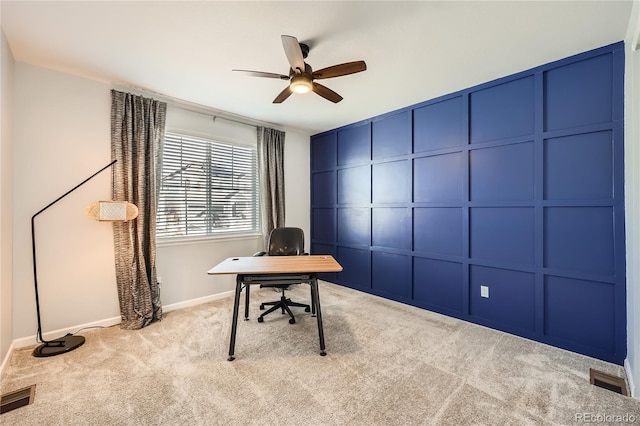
{"x":188,"y":106}
{"x":178,"y":104}
{"x":210,"y":114}
{"x":216,"y":116}
{"x":234,"y":121}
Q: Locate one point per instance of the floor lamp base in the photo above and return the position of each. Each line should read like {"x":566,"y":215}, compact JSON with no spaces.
{"x":59,"y":346}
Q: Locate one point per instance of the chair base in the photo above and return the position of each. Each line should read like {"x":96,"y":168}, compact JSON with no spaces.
{"x":283,"y":304}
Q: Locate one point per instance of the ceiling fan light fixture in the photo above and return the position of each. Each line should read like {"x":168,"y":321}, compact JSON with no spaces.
{"x":301,"y":76}
{"x":301,"y":84}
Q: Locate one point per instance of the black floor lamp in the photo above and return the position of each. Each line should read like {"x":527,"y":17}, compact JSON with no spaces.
{"x":102,"y":211}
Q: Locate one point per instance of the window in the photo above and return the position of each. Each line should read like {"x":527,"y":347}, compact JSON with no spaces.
{"x":206,"y":188}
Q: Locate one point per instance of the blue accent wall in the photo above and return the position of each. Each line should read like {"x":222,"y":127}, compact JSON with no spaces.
{"x":515,"y":185}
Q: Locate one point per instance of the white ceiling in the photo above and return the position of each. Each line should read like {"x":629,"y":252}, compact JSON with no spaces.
{"x":415,"y":51}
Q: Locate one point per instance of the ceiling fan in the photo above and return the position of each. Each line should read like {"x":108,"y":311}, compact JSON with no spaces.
{"x":301,"y":77}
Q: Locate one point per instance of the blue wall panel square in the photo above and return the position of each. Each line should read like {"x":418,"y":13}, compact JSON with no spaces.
{"x":354,"y":185}
{"x":392,"y":182}
{"x":511,"y":296}
{"x":579,"y":167}
{"x":391,"y":274}
{"x":439,"y":125}
{"x":354,"y":226}
{"x":391,"y":135}
{"x":502,"y":111}
{"x":579,"y":239}
{"x":580,"y":311}
{"x":324,"y":188}
{"x":438,"y":178}
{"x":392,"y":227}
{"x":323,"y":151}
{"x":438,"y":230}
{"x":439,"y":283}
{"x":580,"y":93}
{"x":322,"y":249}
{"x":354,"y":144}
{"x":503,"y":234}
{"x":324,"y":224}
{"x":356,"y":267}
{"x":503,"y":173}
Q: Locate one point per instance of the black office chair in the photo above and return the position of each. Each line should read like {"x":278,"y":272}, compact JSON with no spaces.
{"x":283,"y":241}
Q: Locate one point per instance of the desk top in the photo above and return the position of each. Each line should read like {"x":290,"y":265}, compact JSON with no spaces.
{"x":276,"y":265}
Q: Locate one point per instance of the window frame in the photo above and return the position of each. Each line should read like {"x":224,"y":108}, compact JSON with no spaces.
{"x":221,"y":236}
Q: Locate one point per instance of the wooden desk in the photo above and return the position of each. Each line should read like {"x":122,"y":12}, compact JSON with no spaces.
{"x":275,"y":270}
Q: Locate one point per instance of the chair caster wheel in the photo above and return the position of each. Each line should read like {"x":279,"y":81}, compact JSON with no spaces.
{"x":260,"y":319}
{"x":262,"y":307}
{"x":307,"y":309}
{"x":292,"y":321}
{"x":323,"y":353}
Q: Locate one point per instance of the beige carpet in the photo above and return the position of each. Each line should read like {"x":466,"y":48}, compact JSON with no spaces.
{"x":387,"y":364}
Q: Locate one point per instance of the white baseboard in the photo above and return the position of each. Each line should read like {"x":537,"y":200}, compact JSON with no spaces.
{"x":5,"y":361}
{"x":198,"y":301}
{"x":630,"y":382}
{"x":31,"y":340}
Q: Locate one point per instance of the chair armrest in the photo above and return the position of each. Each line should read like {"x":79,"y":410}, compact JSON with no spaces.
{"x":260,"y":253}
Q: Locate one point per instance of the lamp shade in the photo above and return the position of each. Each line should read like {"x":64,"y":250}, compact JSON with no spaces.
{"x":112,"y":211}
{"x":301,"y":84}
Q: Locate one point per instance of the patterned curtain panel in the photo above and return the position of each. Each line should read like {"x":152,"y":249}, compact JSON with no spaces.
{"x":271,"y":165}
{"x":137,"y":129}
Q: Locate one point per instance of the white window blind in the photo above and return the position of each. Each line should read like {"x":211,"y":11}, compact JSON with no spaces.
{"x":206,"y":188}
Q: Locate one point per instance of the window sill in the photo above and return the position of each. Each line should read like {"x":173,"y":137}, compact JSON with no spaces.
{"x":182,"y":241}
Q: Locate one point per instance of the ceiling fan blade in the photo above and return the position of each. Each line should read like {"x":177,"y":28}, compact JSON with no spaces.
{"x":282,"y":96}
{"x":326,"y":93}
{"x":340,"y":70}
{"x":293,"y":52}
{"x":264,"y":74}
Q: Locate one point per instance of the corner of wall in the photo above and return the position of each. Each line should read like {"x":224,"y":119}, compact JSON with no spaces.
{"x":6,"y":196}
{"x":630,"y":380}
{"x":632,"y":202}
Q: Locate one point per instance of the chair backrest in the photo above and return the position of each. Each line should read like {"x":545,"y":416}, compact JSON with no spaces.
{"x":286,"y":241}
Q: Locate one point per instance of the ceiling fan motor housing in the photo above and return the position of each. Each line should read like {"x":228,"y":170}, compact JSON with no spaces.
{"x":307,"y":70}
{"x":305,"y":50}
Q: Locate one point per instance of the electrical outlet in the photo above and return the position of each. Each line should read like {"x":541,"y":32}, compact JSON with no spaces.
{"x":484,"y":291}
